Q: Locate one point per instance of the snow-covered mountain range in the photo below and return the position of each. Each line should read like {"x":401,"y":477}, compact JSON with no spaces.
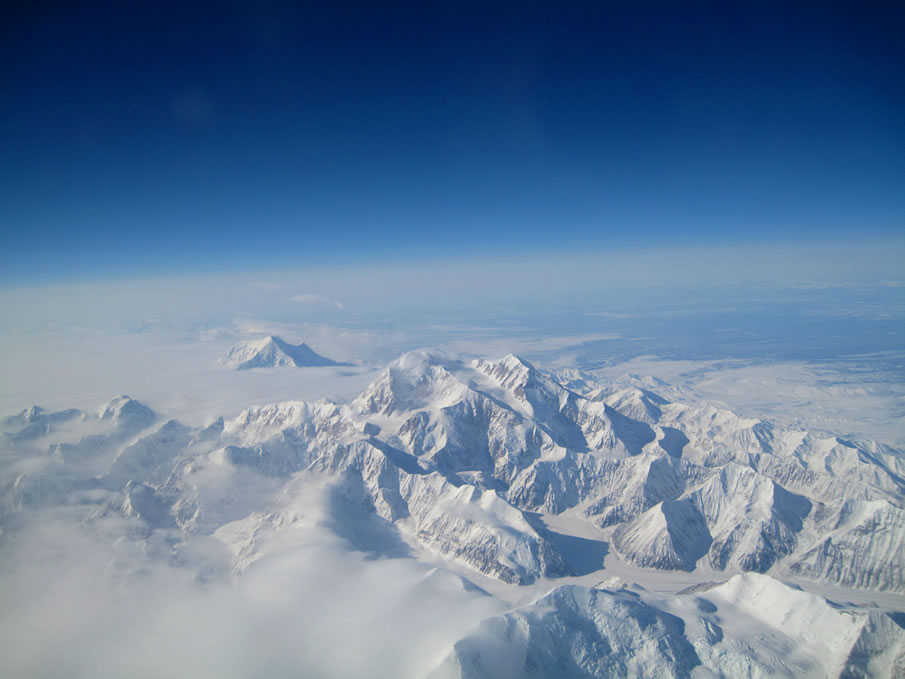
{"x":274,"y":352}
{"x":519,"y":480}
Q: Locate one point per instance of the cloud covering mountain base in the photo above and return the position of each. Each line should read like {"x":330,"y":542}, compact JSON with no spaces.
{"x":456,"y":519}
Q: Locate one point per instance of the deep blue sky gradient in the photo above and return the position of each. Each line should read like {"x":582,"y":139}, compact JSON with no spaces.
{"x":153,"y":138}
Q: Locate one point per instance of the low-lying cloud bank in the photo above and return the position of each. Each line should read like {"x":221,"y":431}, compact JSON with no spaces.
{"x":75,"y":604}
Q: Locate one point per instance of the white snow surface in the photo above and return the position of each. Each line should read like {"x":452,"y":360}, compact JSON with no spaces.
{"x":274,"y":352}
{"x":594,"y":531}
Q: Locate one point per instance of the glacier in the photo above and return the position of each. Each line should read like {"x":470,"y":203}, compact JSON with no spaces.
{"x":616,"y":531}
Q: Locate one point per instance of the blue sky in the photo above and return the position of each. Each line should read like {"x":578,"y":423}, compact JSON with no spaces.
{"x":152,"y":139}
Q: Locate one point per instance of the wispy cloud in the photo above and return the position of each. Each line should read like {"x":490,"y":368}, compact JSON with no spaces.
{"x":311,"y":607}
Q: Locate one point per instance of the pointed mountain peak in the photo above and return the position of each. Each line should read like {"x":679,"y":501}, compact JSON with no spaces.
{"x":23,"y":417}
{"x":115,"y":406}
{"x":415,"y":380}
{"x":514,"y":360}
{"x":509,"y":371}
{"x":32,"y":413}
{"x":125,"y":411}
{"x":274,"y":352}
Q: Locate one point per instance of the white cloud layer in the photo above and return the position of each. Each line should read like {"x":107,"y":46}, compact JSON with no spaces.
{"x":314,"y":605}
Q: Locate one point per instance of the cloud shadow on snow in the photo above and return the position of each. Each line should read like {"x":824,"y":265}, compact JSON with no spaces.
{"x":353,"y":519}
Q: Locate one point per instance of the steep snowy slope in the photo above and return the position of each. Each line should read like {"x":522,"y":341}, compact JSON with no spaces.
{"x":751,"y":625}
{"x":452,"y":454}
{"x":273,"y":352}
{"x":575,"y":632}
{"x":792,"y":633}
{"x":468,"y":466}
{"x":738,"y":518}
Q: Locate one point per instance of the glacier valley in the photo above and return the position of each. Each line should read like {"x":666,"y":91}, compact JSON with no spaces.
{"x":459,"y":518}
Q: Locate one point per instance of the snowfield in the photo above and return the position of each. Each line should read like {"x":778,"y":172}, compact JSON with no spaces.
{"x":569,"y":527}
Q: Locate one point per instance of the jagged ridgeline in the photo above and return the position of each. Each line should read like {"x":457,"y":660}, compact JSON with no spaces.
{"x":472,"y":464}
{"x":462,"y":457}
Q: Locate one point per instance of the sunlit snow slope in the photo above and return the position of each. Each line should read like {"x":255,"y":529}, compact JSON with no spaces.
{"x":481,"y":468}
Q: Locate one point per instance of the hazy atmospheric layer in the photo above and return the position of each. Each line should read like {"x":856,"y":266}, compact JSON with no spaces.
{"x":292,"y":577}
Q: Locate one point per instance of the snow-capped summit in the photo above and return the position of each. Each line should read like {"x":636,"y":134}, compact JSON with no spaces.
{"x":273,"y":352}
{"x":35,"y":422}
{"x":417,"y":379}
{"x":127,"y":413}
{"x":527,"y":482}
